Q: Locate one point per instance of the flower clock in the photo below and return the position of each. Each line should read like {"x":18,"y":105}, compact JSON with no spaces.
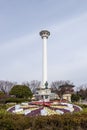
{"x":44,"y":108}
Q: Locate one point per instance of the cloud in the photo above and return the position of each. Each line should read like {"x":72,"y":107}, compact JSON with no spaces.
{"x":68,"y":50}
{"x":21,"y":58}
{"x":18,"y":57}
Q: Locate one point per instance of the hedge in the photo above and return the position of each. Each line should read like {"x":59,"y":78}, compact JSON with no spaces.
{"x":76,"y":121}
{"x":13,"y":99}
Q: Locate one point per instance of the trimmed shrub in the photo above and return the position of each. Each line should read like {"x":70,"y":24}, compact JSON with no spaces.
{"x":76,"y":121}
{"x":16,"y":100}
{"x":21,"y":91}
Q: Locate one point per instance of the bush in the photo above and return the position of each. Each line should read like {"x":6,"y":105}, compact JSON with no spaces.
{"x":13,"y":122}
{"x":75,"y":97}
{"x":3,"y":107}
{"x":82,"y":105}
{"x":77,"y":121}
{"x":16,"y":100}
{"x":21,"y":91}
{"x":1,"y":93}
{"x":13,"y":100}
{"x":3,"y":98}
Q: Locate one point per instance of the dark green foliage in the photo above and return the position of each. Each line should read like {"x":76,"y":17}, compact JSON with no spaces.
{"x":3,"y":98}
{"x":3,"y":107}
{"x":83,"y":93}
{"x":75,"y":97}
{"x":1,"y":93}
{"x":13,"y":122}
{"x":16,"y":100}
{"x":21,"y":91}
{"x":77,"y":121}
{"x":13,"y":100}
{"x":83,"y":106}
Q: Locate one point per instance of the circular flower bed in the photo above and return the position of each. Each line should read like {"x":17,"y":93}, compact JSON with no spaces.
{"x":44,"y":108}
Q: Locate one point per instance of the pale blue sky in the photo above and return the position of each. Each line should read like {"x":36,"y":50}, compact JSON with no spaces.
{"x":21,"y":46}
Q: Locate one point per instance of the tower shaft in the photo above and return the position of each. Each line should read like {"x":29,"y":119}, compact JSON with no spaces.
{"x":44,"y":71}
{"x":44,"y":92}
{"x":44,"y":35}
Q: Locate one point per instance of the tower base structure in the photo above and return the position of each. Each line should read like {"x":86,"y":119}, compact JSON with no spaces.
{"x":43,"y":94}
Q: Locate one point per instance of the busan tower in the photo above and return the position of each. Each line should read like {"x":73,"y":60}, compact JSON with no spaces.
{"x":44,"y":35}
{"x":45,"y":91}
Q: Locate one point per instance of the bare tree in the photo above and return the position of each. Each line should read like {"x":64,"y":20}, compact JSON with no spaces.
{"x":26,"y":83}
{"x":83,"y":91}
{"x":5,"y":86}
{"x":62,"y":87}
{"x":34,"y":85}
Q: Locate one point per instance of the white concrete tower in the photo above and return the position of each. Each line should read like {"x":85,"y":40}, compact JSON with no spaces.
{"x":44,"y":35}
